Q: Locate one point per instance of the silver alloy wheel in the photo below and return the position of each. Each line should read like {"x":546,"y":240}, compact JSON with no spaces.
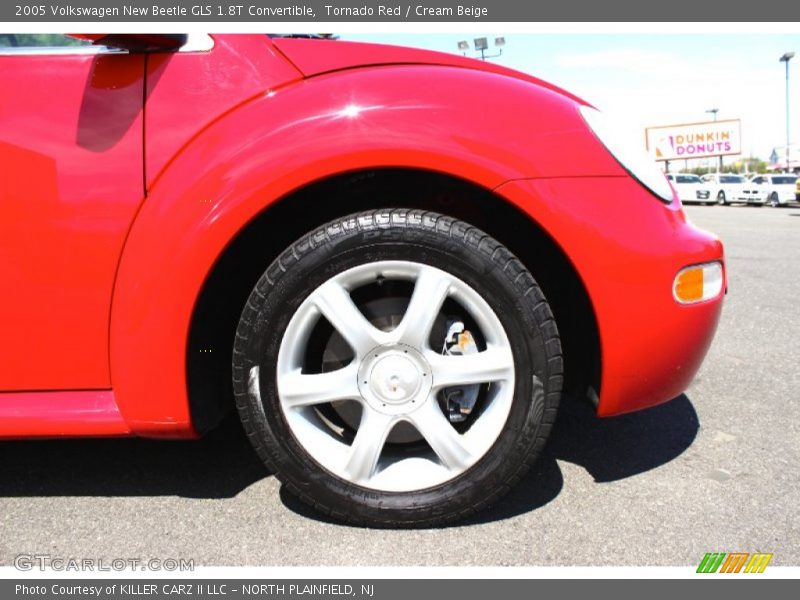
{"x":395,"y":377}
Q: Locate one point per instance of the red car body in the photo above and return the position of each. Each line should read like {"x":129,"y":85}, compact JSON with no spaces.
{"x":126,"y":176}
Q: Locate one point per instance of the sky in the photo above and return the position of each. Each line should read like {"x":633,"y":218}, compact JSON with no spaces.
{"x":659,"y":79}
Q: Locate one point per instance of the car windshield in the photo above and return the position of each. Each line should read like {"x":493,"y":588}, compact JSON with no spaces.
{"x":731,"y":179}
{"x":788,"y":179}
{"x":688,"y":179}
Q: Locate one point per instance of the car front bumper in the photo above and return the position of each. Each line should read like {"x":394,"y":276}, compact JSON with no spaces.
{"x":627,"y":247}
{"x":749,"y":197}
{"x":694,"y":195}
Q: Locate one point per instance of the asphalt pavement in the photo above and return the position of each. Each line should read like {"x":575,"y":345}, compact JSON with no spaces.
{"x":717,"y":469}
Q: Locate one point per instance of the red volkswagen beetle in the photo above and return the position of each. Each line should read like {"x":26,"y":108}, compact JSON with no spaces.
{"x":393,"y":284}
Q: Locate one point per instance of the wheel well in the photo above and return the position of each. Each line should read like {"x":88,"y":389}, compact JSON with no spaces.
{"x":231,"y":280}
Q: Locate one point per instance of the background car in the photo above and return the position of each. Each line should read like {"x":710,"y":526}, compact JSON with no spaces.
{"x":690,"y":188}
{"x":394,"y":288}
{"x":728,"y":188}
{"x":779,"y":189}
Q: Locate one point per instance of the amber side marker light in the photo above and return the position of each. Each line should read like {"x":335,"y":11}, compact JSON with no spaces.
{"x":698,"y":283}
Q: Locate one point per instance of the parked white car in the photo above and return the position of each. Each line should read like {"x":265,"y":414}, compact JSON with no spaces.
{"x":690,"y":188}
{"x":778,"y":188}
{"x":728,"y":188}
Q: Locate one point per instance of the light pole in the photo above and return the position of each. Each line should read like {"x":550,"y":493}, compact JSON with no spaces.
{"x":714,"y":112}
{"x":482,"y":45}
{"x":785,"y":59}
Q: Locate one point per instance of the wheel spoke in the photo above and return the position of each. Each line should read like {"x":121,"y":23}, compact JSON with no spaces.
{"x":335,"y":303}
{"x":493,"y":364}
{"x":297,"y":389}
{"x":440,"y":435}
{"x":396,"y":376}
{"x":368,"y":444}
{"x":430,"y":292}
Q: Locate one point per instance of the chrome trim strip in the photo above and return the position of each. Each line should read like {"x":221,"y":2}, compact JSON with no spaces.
{"x":59,"y":50}
{"x":196,"y":42}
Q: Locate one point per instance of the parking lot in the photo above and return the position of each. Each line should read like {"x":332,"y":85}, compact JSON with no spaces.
{"x":714,"y":470}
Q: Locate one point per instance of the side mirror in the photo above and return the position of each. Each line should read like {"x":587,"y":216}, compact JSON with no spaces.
{"x":136,"y":42}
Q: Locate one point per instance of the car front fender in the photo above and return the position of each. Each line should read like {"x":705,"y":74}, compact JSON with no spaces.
{"x":477,"y":126}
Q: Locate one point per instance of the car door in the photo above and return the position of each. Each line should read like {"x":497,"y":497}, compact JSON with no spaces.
{"x":70,"y":184}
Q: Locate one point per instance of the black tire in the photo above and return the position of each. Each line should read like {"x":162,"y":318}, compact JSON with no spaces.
{"x":721,"y":198}
{"x":774,"y":202}
{"x":450,"y":245}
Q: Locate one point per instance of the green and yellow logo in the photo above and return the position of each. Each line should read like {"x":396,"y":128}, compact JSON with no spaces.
{"x":734,"y":562}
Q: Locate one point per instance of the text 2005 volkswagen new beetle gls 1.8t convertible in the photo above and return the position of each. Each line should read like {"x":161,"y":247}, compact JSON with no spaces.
{"x":393,"y":286}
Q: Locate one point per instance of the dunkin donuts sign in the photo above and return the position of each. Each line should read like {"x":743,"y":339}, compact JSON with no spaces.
{"x":695,"y":140}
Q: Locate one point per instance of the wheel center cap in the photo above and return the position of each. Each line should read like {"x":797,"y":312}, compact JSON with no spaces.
{"x":394,"y":379}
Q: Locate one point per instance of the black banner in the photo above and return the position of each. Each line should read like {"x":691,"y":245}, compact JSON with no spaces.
{"x":377,"y":589}
{"x":320,"y":11}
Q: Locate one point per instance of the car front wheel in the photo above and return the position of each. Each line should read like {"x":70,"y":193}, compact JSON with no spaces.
{"x":397,"y":368}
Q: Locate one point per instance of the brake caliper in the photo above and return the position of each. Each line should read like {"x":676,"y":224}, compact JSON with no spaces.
{"x":460,"y":400}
